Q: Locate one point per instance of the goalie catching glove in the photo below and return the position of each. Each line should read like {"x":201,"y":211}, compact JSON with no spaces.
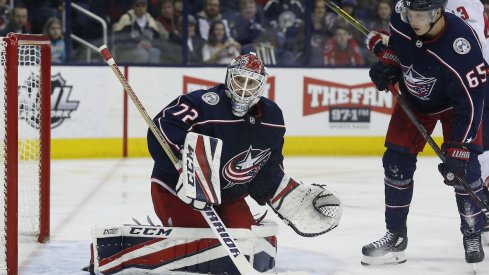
{"x":199,"y":184}
{"x":310,"y":210}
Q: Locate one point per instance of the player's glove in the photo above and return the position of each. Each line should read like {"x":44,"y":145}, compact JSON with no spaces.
{"x":377,"y":41}
{"x":310,"y":210}
{"x":382,"y":74}
{"x":455,"y":165}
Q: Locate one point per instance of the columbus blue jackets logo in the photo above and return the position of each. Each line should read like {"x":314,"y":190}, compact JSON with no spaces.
{"x":243,"y":167}
{"x":418,"y":85}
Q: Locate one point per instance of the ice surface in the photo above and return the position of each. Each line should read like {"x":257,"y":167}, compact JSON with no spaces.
{"x":85,"y":193}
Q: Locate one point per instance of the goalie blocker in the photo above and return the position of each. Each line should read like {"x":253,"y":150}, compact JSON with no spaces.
{"x":198,"y":184}
{"x":138,"y":249}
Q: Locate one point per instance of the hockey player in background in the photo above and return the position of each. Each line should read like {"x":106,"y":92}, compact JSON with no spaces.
{"x":473,"y":13}
{"x":438,"y":62}
{"x":252,"y":129}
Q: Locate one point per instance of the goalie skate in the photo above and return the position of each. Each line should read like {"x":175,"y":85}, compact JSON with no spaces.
{"x":387,"y":250}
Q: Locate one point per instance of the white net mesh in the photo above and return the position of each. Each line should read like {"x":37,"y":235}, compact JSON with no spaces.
{"x":29,"y":138}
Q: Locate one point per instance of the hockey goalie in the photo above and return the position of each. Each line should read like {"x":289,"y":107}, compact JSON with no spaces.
{"x":230,"y":140}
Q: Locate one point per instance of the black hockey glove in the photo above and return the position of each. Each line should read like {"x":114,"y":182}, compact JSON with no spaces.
{"x":382,"y":74}
{"x":455,"y":165}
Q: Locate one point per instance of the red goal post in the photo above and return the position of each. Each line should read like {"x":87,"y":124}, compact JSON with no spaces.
{"x":25,"y":134}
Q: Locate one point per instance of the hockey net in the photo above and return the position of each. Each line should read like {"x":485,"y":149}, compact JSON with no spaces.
{"x":25,"y":138}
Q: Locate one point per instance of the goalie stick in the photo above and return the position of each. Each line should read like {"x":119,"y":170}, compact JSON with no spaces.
{"x":209,"y":214}
{"x":483,"y":207}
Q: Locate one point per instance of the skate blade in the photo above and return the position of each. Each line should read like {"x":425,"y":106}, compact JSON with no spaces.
{"x":389,"y":258}
{"x":474,"y":268}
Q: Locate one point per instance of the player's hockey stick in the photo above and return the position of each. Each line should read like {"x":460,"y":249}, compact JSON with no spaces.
{"x":435,"y":147}
{"x":347,"y":16}
{"x":484,"y":208}
{"x":210,"y":215}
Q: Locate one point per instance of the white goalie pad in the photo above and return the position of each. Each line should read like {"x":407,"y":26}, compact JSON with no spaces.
{"x":199,"y":182}
{"x":310,"y":210}
{"x":139,"y":249}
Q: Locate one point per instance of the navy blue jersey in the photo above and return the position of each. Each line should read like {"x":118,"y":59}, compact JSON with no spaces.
{"x":251,"y":159}
{"x":447,"y":72}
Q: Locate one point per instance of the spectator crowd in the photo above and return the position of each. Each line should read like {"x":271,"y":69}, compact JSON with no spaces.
{"x":201,"y":32}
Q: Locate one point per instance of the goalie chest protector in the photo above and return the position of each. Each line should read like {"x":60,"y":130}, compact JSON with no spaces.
{"x":251,"y":156}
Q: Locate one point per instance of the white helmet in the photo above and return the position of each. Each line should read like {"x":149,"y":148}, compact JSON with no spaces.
{"x":246,"y":79}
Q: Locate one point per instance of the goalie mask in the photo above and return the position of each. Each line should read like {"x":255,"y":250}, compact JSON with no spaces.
{"x":245,"y":81}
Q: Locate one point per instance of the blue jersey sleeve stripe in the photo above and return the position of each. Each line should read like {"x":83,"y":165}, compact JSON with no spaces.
{"x":400,"y":33}
{"x":442,"y":111}
{"x":215,"y":122}
{"x":474,"y":33}
{"x":166,"y":137}
{"x":164,"y":185}
{"x":171,"y":106}
{"x":273,"y":125}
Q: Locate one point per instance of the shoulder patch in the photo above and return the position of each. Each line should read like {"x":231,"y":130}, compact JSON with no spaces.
{"x":461,"y":45}
{"x":210,"y":98}
{"x":399,"y":7}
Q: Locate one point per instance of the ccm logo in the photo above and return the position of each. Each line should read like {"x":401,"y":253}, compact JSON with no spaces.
{"x":190,"y":165}
{"x":150,"y":231}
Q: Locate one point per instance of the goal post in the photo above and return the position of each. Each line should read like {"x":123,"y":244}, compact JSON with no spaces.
{"x":25,"y":79}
